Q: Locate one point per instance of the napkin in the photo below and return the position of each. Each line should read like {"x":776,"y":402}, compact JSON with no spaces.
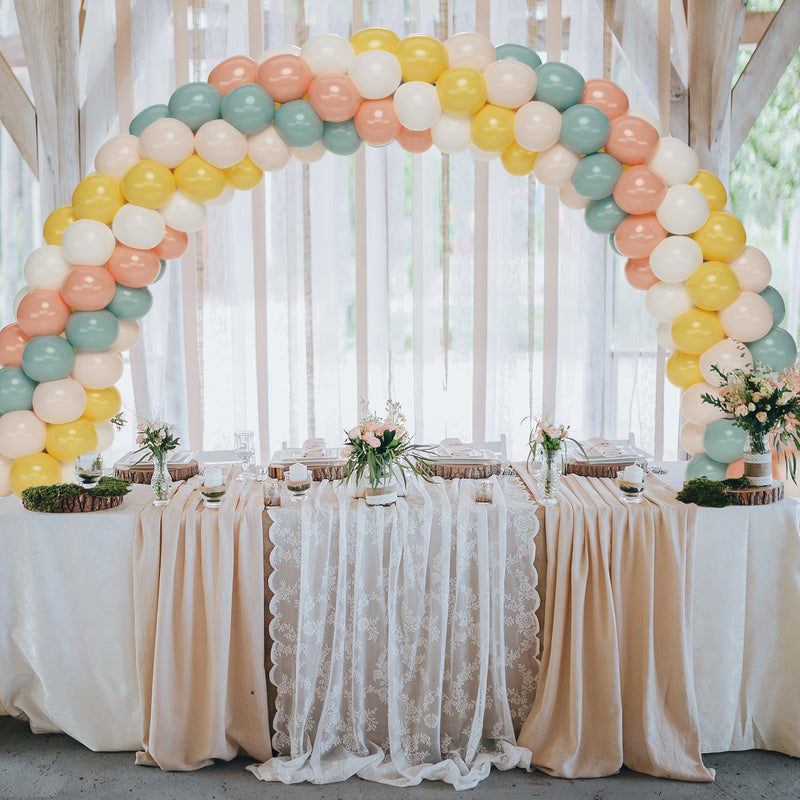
{"x":314,"y":448}
{"x":455,"y":448}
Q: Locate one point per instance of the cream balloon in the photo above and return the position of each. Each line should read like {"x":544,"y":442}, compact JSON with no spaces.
{"x":376,"y":74}
{"x":727,"y":355}
{"x":138,"y":227}
{"x":22,"y":433}
{"x":747,"y":318}
{"x":695,"y":409}
{"x":647,"y":117}
{"x":184,"y":214}
{"x":88,"y":242}
{"x":451,"y":133}
{"x":554,"y":166}
{"x":481,"y":155}
{"x":67,"y":471}
{"x":228,"y":193}
{"x":537,"y":126}
{"x":18,"y":298}
{"x":311,"y":154}
{"x":105,"y":435}
{"x":97,"y":370}
{"x":471,"y":50}
{"x":691,"y":438}
{"x":220,"y":144}
{"x":118,"y":155}
{"x":416,"y":105}
{"x":5,"y":469}
{"x":167,"y":141}
{"x":753,"y":269}
{"x":683,"y":210}
{"x":664,"y":336}
{"x":328,"y":52}
{"x":570,"y":198}
{"x":46,"y":268}
{"x":675,"y":258}
{"x":59,"y":401}
{"x":279,"y":50}
{"x":674,"y":161}
{"x":267,"y":150}
{"x":509,"y":83}
{"x":129,"y":332}
{"x":664,"y":301}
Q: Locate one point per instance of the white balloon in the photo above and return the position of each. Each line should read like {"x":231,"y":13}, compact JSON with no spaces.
{"x":753,"y":269}
{"x":46,"y":268}
{"x":509,"y":83}
{"x":105,"y":435}
{"x":695,"y":409}
{"x":675,"y":258}
{"x":267,"y":150}
{"x":570,"y":198}
{"x":674,"y":161}
{"x":5,"y":469}
{"x":471,"y":50}
{"x":727,"y":355}
{"x":684,"y":209}
{"x":59,"y":401}
{"x":691,"y":438}
{"x":328,"y":52}
{"x":647,"y":117}
{"x":416,"y":104}
{"x":22,"y":433}
{"x":376,"y":74}
{"x":18,"y":298}
{"x":129,"y":332}
{"x":482,"y":155}
{"x":664,"y":336}
{"x":451,"y":133}
{"x":537,"y":126}
{"x":747,"y":318}
{"x":88,"y":242}
{"x":97,"y":370}
{"x":184,"y":214}
{"x":228,"y":193}
{"x":167,"y":141}
{"x":310,"y":154}
{"x":279,"y":50}
{"x":118,"y":155}
{"x":220,"y":144}
{"x":67,"y":471}
{"x":664,"y":301}
{"x":138,"y":227}
{"x":554,"y":166}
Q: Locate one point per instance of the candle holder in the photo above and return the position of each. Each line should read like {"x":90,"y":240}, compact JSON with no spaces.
{"x":89,"y":469}
{"x":244,"y":447}
{"x":298,"y":481}
{"x":212,"y":488}
{"x":484,"y":490}
{"x":631,"y":482}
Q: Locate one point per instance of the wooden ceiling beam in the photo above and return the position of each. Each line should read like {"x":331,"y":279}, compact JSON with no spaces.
{"x":18,"y":116}
{"x":755,"y":26}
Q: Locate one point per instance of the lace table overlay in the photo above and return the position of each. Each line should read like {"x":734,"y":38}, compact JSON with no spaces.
{"x":404,"y":637}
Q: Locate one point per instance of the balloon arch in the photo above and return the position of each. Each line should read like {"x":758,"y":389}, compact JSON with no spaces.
{"x":88,"y":285}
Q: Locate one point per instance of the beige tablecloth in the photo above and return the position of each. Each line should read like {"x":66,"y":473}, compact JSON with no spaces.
{"x":199,"y":622}
{"x":616,"y":684}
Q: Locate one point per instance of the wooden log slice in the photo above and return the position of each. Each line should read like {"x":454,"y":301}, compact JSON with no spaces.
{"x":83,"y":502}
{"x":601,"y":470}
{"x":757,"y":495}
{"x":144,"y":474}
{"x":327,"y":472}
{"x":335,"y":472}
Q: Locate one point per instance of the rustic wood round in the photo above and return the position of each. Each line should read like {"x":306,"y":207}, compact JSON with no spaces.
{"x":757,"y":495}
{"x":144,"y":474}
{"x":600,"y":470}
{"x":83,"y":502}
{"x":334,"y":472}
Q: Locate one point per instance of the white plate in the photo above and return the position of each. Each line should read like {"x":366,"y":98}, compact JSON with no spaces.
{"x":135,"y":458}
{"x":626,"y":454}
{"x":482,"y":457}
{"x":285,"y":458}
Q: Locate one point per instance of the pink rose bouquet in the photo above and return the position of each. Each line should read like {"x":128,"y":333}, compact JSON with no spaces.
{"x":156,"y":438}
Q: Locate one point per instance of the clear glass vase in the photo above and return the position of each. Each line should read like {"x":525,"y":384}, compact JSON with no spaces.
{"x":161,"y":482}
{"x":549,"y":476}
{"x":381,"y":489}
{"x":757,"y":459}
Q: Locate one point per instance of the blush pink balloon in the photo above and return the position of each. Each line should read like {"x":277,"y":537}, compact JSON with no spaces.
{"x":232,"y":72}
{"x":88,"y":288}
{"x":414,"y":141}
{"x":42,"y":312}
{"x":632,"y":140}
{"x":638,"y":234}
{"x":639,"y":190}
{"x":285,"y":77}
{"x":639,"y":275}
{"x":334,"y":97}
{"x":376,"y":121}
{"x":12,"y":342}
{"x":606,"y":96}
{"x":134,"y":268}
{"x":173,"y":245}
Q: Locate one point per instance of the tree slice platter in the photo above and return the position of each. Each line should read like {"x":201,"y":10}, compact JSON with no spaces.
{"x":587,"y":470}
{"x":143,"y":473}
{"x":757,"y":495}
{"x":81,"y":503}
{"x":334,"y":472}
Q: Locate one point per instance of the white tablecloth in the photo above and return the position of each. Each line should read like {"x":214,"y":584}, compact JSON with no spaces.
{"x":404,"y":637}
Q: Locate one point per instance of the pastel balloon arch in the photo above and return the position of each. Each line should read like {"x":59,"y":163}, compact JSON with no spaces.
{"x":88,"y":285}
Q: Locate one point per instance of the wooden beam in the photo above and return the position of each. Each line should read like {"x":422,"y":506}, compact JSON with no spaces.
{"x":18,"y":115}
{"x":11,"y":48}
{"x":763,"y":71}
{"x":755,"y":26}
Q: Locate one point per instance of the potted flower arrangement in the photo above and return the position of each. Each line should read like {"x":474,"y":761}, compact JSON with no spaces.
{"x":157,"y":439}
{"x":765,"y":404}
{"x":549,"y":440}
{"x":380,"y":450}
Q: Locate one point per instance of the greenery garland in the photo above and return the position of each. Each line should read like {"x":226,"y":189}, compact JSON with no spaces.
{"x":49,"y":498}
{"x":712,"y":494}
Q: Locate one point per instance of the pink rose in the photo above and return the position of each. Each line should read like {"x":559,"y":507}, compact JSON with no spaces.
{"x":354,"y":433}
{"x":140,"y":438}
{"x":371,"y":440}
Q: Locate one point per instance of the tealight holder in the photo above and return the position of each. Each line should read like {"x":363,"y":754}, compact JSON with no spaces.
{"x":630,"y":491}
{"x":298,"y":481}
{"x":484,"y":491}
{"x":89,"y":469}
{"x":212,"y":488}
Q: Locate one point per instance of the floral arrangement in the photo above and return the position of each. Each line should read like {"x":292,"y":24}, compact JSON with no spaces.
{"x":765,"y":404}
{"x":156,"y":438}
{"x":381,"y":445}
{"x":550,"y":438}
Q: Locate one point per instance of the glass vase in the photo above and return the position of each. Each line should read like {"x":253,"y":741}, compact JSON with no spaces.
{"x":549,"y":476}
{"x":381,"y":489}
{"x":758,"y":459}
{"x":161,"y":482}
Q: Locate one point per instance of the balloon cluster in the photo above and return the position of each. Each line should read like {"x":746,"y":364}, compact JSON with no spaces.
{"x":88,"y":285}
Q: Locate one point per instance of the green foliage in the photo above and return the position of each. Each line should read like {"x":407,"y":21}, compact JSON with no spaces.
{"x":712,"y":494}
{"x":49,"y":498}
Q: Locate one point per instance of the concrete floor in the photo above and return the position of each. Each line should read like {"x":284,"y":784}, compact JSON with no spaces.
{"x":55,"y":766}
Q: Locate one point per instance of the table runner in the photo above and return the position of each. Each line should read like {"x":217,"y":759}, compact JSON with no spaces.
{"x":616,"y":684}
{"x":404,"y":637}
{"x":198,"y":580}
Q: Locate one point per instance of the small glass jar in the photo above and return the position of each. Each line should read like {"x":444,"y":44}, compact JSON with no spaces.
{"x":213,"y":487}
{"x":631,"y":486}
{"x":298,"y":480}
{"x":484,"y":491}
{"x":89,"y":469}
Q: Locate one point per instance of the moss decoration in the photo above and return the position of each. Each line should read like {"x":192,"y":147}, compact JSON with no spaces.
{"x":712,"y":494}
{"x":52,"y":498}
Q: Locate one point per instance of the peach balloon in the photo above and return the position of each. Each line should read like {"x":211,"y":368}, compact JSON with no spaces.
{"x":334,"y":97}
{"x":376,"y":122}
{"x":232,"y":72}
{"x":632,"y":140}
{"x":639,"y":190}
{"x":173,"y":245}
{"x":414,"y":141}
{"x":88,"y":288}
{"x":134,"y":268}
{"x":12,"y":342}
{"x":42,"y":312}
{"x":639,"y":275}
{"x":606,"y":96}
{"x":285,"y":77}
{"x":637,"y":235}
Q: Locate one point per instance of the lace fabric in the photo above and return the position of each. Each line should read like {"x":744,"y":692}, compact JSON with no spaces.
{"x":405,"y":637}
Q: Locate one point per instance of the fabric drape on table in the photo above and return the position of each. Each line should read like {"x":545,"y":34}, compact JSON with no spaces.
{"x":404,"y":636}
{"x":617,"y":682}
{"x":198,"y":581}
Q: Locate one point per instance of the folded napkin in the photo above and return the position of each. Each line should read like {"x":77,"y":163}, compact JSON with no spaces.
{"x":314,"y":448}
{"x":602,"y":448}
{"x":455,"y":448}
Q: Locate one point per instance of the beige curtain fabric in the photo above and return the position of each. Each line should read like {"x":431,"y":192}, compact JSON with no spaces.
{"x":616,"y":684}
{"x":199,"y":635}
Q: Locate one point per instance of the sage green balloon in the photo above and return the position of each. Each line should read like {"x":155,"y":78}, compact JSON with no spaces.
{"x":92,"y":331}
{"x":146,"y":117}
{"x":777,"y":349}
{"x":48,"y":358}
{"x":130,"y":303}
{"x":559,"y":85}
{"x":249,"y":108}
{"x":723,"y":441}
{"x":341,"y":138}
{"x":518,"y":52}
{"x":298,"y":124}
{"x":584,"y":128}
{"x":603,"y":215}
{"x":16,"y":390}
{"x":702,"y":466}
{"x":596,"y":175}
{"x":195,"y":104}
{"x":773,"y":297}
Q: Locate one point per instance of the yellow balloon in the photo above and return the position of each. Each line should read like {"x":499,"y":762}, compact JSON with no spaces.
{"x":71,"y":439}
{"x":722,"y":238}
{"x":683,"y":369}
{"x":712,"y":286}
{"x":695,"y":330}
{"x":517,"y":160}
{"x":38,"y":469}
{"x":102,"y":404}
{"x":712,"y":188}
{"x":198,"y":180}
{"x":148,"y":183}
{"x":422,"y":58}
{"x":98,"y":196}
{"x":245,"y":175}
{"x":374,"y":39}
{"x":492,"y":128}
{"x":57,"y":222}
{"x":462,"y":91}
